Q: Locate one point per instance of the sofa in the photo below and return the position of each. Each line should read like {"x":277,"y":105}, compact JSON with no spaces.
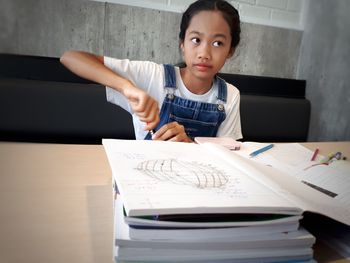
{"x":41,"y":101}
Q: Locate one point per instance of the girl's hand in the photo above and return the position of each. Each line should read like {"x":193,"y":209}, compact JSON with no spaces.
{"x":172,"y":131}
{"x":145,"y":107}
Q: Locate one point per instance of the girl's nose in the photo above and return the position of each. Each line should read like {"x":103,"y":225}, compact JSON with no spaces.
{"x":204,"y":51}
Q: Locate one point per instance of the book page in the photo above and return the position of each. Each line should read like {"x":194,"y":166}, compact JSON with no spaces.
{"x":331,"y":182}
{"x":156,"y":177}
{"x":287,"y":157}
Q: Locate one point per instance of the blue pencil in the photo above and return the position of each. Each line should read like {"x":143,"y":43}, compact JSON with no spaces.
{"x":261,"y":150}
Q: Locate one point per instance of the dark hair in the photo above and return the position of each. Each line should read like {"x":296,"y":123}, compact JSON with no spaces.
{"x":229,"y":13}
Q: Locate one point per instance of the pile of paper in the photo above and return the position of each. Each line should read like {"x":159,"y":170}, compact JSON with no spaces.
{"x":138,"y":239}
{"x":158,"y":239}
{"x":181,"y":203}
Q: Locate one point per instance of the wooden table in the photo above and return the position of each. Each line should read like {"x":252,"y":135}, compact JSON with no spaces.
{"x":56,"y":203}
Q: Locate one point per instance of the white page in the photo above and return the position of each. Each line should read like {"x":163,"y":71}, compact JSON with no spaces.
{"x":322,"y":188}
{"x":287,"y":157}
{"x":165,"y":177}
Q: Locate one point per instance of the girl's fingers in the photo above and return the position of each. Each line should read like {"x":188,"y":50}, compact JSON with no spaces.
{"x":160,"y":134}
{"x":146,"y":108}
{"x":172,"y":132}
{"x":151,"y":124}
{"x":151,"y":117}
{"x":139,"y":104}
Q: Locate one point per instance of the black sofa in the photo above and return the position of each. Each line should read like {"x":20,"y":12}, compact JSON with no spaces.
{"x":41,"y":101}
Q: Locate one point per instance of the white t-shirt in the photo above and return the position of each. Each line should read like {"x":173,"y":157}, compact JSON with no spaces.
{"x":149,"y":76}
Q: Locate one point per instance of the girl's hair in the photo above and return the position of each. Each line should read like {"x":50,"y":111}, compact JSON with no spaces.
{"x":229,"y":13}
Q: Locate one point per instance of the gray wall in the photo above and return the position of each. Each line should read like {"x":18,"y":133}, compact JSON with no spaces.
{"x":325,"y":64}
{"x":49,"y":27}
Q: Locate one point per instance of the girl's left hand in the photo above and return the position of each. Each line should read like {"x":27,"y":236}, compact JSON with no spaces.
{"x":172,"y":131}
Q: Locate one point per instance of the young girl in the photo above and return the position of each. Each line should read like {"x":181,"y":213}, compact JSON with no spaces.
{"x":172,"y":103}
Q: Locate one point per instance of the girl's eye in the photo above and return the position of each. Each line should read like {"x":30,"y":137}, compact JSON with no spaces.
{"x":195,"y":40}
{"x":217,"y":44}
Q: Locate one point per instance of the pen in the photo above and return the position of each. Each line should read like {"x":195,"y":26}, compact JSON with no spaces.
{"x":151,"y":131}
{"x":315,"y":154}
{"x":261,"y":150}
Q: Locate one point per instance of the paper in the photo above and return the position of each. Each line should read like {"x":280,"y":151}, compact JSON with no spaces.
{"x":292,"y":158}
{"x":327,"y":188}
{"x":289,"y":157}
{"x":166,"y":177}
{"x":227,"y":142}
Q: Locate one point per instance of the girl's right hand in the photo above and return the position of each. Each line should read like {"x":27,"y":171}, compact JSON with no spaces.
{"x":145,"y":107}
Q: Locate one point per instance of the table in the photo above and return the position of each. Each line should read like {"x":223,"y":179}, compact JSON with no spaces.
{"x":56,"y":203}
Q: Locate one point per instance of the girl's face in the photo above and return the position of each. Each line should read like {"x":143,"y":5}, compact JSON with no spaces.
{"x":207,"y":44}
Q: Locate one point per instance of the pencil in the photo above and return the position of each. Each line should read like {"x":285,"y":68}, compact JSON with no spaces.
{"x":313,"y":158}
{"x":261,"y":150}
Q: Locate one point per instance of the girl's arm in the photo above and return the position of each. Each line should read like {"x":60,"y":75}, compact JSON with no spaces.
{"x":91,"y":67}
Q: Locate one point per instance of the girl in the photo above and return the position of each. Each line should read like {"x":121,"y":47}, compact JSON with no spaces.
{"x":179,"y":103}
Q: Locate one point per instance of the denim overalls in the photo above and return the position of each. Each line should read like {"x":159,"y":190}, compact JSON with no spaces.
{"x":198,"y":118}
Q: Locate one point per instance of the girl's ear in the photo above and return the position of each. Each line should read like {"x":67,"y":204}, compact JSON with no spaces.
{"x":182,"y":46}
{"x":230,"y":54}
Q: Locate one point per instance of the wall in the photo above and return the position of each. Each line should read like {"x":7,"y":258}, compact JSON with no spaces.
{"x":49,"y":27}
{"x":325,"y":64}
{"x":279,"y":13}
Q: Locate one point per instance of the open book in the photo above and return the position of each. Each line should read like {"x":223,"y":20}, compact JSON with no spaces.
{"x":167,"y":178}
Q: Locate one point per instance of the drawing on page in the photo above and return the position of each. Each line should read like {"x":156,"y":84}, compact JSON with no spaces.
{"x":190,"y":173}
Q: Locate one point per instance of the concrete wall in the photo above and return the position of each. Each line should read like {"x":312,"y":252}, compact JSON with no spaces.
{"x":49,"y":27}
{"x":277,"y":13}
{"x":325,"y":64}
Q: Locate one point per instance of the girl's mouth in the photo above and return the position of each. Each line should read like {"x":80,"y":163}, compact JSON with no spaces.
{"x":202,"y":67}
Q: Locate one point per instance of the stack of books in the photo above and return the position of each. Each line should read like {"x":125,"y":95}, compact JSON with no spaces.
{"x":153,"y":240}
{"x":178,"y":202}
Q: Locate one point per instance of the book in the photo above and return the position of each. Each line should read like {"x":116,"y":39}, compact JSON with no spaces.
{"x":167,"y":178}
{"x":266,"y":246}
{"x":193,"y":234}
{"x":242,"y":255}
{"x":207,"y":221}
{"x":159,"y":178}
{"x":186,"y":202}
{"x":219,"y":239}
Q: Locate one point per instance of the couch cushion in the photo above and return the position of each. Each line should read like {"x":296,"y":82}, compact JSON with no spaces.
{"x":274,"y":119}
{"x":32,"y":110}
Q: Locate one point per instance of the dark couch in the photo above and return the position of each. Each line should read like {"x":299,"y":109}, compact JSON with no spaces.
{"x":41,"y":101}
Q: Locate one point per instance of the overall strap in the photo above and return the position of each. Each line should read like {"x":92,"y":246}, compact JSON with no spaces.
{"x":222,"y":90}
{"x":169,"y":76}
